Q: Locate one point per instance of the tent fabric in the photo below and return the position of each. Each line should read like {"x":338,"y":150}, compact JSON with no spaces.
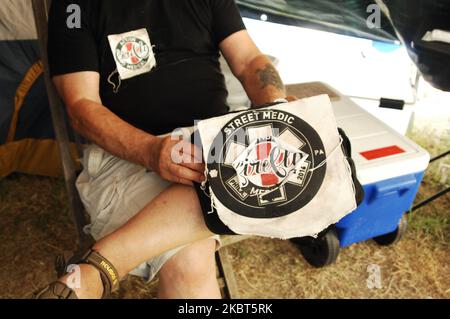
{"x":16,"y":58}
{"x":25,"y":86}
{"x":16,"y":20}
{"x":407,"y":21}
{"x":412,"y":22}
{"x":32,"y":156}
{"x":27,"y":142}
{"x":348,"y":17}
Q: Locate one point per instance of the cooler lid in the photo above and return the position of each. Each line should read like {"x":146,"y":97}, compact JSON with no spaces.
{"x":379,"y":151}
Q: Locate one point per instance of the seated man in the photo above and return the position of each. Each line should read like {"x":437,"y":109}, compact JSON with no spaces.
{"x":130,"y":72}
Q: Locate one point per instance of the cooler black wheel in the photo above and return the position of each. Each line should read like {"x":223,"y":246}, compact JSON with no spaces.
{"x":322,"y":251}
{"x":395,"y":236}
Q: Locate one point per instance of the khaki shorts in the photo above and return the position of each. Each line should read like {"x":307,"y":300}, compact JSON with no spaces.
{"x":113,"y":191}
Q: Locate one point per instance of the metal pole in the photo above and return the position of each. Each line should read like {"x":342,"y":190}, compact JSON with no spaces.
{"x":436,"y":158}
{"x":431,"y":199}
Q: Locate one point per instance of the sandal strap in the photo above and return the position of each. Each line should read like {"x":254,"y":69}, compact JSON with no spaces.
{"x":56,"y":290}
{"x":108,"y":273}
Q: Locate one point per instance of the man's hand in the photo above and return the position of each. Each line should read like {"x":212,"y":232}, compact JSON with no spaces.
{"x":177,"y":161}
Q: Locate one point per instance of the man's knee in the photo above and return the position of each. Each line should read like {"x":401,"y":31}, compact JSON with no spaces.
{"x":193,"y":264}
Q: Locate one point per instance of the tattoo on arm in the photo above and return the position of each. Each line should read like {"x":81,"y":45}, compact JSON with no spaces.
{"x":269,"y":76}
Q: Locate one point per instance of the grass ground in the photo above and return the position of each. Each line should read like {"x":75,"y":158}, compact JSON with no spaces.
{"x":35,"y":226}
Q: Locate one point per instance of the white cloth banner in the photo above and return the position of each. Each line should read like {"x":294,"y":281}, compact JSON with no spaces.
{"x":278,"y":172}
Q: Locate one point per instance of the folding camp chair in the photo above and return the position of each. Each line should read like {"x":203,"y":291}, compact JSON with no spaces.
{"x":62,"y":130}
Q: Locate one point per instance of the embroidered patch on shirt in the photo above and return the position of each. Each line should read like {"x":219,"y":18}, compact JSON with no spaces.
{"x":133,"y":53}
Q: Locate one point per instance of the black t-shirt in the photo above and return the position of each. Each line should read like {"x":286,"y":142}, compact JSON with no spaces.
{"x":186,"y":84}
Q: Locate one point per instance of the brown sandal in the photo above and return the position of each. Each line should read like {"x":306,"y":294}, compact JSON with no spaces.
{"x":108,"y":275}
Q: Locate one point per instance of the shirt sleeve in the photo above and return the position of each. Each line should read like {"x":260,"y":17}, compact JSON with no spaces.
{"x":226,"y":19}
{"x":71,"y":45}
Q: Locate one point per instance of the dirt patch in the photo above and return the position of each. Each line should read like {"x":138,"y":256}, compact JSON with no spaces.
{"x":36,"y":226}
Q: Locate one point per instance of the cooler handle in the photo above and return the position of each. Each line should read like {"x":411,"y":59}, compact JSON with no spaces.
{"x":398,"y":186}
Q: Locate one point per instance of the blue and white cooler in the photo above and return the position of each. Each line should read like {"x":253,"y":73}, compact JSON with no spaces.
{"x":389,"y":166}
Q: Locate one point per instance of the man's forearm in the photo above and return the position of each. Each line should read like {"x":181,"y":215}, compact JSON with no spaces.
{"x":262,"y":82}
{"x":104,"y":128}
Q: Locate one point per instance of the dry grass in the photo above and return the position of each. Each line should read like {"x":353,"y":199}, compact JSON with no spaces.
{"x":414,"y":268}
{"x":35,"y":225}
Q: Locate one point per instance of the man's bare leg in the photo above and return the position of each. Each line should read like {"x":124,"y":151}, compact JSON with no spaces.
{"x":191,"y":273}
{"x":172,"y":219}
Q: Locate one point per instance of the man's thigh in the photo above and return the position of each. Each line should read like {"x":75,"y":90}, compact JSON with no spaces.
{"x":113,"y":191}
